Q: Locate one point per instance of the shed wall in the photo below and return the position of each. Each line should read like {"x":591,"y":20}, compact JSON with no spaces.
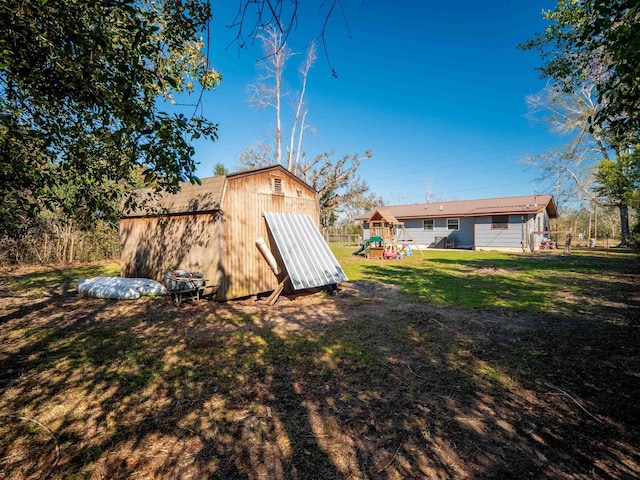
{"x":151,"y":246}
{"x":221,"y":244}
{"x":246,"y":199}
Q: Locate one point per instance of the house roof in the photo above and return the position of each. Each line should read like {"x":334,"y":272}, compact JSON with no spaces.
{"x":471,"y":208}
{"x":193,"y":197}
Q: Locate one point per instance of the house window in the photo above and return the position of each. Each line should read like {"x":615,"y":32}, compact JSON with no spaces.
{"x":453,"y":224}
{"x":277,"y":186}
{"x":427,"y":224}
{"x":500,"y":222}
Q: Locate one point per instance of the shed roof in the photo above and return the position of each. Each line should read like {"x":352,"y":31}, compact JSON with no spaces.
{"x":472,"y":208}
{"x":203,"y":197}
{"x":279,"y":168}
{"x":194,"y":197}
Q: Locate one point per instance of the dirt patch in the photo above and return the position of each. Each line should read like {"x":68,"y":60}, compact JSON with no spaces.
{"x":493,"y":270}
{"x":361,"y":384}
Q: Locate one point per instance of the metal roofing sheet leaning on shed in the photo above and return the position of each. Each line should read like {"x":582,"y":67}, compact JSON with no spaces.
{"x":306,"y":256}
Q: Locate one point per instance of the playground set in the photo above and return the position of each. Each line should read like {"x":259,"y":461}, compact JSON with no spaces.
{"x":388,"y":240}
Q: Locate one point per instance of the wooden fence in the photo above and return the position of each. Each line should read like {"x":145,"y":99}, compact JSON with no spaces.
{"x":349,"y":238}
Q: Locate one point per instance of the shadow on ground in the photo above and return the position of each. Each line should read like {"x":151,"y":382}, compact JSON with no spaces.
{"x":359,"y":385}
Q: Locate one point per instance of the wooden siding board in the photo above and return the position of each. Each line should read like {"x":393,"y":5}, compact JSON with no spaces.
{"x":152,"y":246}
{"x":246,"y":199}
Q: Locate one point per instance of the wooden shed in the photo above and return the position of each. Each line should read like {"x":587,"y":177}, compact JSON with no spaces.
{"x":212,"y":229}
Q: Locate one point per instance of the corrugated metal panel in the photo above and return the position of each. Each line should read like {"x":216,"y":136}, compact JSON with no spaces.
{"x":306,"y":256}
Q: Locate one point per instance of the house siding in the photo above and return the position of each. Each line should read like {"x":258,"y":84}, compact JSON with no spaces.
{"x":476,"y":232}
{"x":416,"y":235}
{"x":528,"y":219}
{"x":515,"y":235}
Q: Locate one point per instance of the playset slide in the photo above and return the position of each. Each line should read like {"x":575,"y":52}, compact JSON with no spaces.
{"x":364,"y":246}
{"x":367,"y":245}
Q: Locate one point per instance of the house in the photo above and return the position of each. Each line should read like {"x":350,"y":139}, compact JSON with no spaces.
{"x":212,"y":228}
{"x":510,"y":223}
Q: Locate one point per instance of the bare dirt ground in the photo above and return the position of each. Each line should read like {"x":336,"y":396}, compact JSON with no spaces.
{"x":358,"y":385}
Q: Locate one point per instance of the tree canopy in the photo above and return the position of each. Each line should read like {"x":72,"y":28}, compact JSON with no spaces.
{"x":596,"y":36}
{"x":81,"y":86}
{"x":593,"y":46}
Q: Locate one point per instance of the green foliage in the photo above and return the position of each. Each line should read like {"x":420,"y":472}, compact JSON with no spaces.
{"x":595,"y":45}
{"x":594,"y":36}
{"x":619,"y":183}
{"x":81,"y":83}
{"x":220,"y":170}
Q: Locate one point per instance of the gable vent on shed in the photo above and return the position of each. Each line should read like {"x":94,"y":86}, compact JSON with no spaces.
{"x":277,"y":186}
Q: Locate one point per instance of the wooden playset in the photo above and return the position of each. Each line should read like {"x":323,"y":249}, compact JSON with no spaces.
{"x":388,"y":237}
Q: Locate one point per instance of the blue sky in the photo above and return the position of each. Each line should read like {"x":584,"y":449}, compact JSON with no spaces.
{"x":436,"y":90}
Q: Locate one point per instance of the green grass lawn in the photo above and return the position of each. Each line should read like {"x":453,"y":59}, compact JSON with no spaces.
{"x":543,"y":282}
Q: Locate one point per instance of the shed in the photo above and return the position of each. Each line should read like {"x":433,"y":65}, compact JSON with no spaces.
{"x":212,"y":228}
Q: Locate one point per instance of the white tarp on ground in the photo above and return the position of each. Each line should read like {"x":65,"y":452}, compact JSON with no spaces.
{"x":119,"y":288}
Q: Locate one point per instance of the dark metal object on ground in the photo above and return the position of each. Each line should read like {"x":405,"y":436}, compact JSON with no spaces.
{"x":181,"y":282}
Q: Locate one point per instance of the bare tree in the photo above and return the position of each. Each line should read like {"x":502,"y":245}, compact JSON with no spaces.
{"x":282,"y":16}
{"x":569,"y":169}
{"x":268,"y":91}
{"x":294,"y":153}
{"x":577,"y":169}
{"x":259,"y":154}
{"x":336,"y":181}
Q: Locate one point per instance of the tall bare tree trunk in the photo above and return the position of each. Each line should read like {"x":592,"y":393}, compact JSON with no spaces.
{"x":624,"y":225}
{"x":278,"y":77}
{"x":299,"y":149}
{"x":301,"y":112}
{"x":265,"y":93}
